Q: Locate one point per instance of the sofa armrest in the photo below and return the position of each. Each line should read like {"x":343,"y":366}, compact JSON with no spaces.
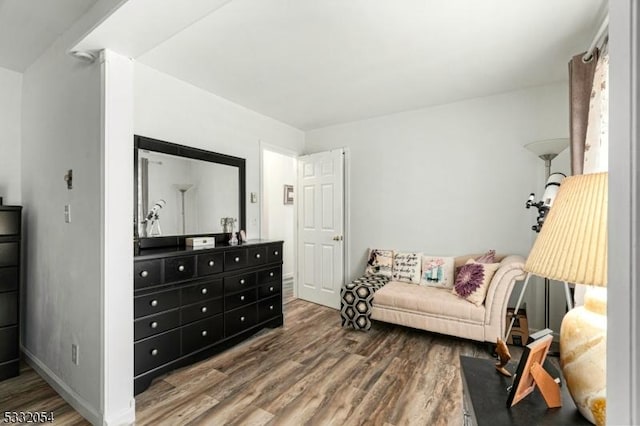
{"x":511,"y":270}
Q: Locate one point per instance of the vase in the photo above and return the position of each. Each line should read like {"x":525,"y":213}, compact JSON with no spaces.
{"x":583,"y":354}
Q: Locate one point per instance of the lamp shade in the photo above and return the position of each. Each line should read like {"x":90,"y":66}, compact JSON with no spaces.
{"x":572,"y":245}
{"x":548,"y":146}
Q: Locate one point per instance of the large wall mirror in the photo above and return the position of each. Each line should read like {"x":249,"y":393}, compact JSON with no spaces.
{"x":183,"y":191}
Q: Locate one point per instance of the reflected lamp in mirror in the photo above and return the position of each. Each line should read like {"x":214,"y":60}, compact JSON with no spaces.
{"x":572,"y":247}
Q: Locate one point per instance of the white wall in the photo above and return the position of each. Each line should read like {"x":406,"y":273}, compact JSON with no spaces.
{"x":169,"y":109}
{"x":10,"y":111}
{"x":61,"y":131}
{"x":279,"y":222}
{"x":450,"y":179}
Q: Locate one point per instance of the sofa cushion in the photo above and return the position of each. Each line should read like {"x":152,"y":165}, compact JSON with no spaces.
{"x":488,"y":257}
{"x":473,"y":279}
{"x":406,"y":267}
{"x":437,"y":271}
{"x":379,"y":262}
{"x":427,"y":300}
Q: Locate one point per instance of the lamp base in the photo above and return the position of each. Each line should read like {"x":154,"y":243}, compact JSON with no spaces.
{"x":583,"y":354}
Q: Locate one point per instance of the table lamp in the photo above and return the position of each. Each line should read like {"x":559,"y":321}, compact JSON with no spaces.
{"x":572,"y":247}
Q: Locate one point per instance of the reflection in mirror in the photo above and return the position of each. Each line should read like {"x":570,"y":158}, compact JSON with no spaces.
{"x":180,"y":195}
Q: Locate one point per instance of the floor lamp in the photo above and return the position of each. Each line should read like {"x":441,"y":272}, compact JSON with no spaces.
{"x":547,"y":150}
{"x":183,"y":188}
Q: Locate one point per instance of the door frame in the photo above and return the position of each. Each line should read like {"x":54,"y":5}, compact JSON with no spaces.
{"x":263,"y":146}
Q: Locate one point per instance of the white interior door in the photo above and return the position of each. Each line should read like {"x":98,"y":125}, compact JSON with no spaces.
{"x":321,"y":227}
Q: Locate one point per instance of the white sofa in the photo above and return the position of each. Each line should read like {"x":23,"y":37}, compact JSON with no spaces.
{"x":439,"y":310}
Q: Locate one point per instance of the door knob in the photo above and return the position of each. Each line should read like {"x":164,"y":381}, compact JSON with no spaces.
{"x":337,"y":238}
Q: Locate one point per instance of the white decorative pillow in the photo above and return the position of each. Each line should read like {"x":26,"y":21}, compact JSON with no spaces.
{"x":406,"y":267}
{"x":380,"y":262}
{"x":473,"y":279}
{"x":437,"y":271}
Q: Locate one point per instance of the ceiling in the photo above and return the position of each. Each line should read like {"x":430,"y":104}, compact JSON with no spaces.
{"x":29,"y":27}
{"x":313,"y":63}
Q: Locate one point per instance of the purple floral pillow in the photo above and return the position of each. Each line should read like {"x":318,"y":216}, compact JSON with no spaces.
{"x":473,"y":279}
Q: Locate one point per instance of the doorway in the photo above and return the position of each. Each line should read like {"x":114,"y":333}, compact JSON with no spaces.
{"x":278,"y":209}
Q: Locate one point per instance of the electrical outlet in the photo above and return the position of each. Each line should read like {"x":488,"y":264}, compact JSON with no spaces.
{"x":67,"y":213}
{"x":74,"y":354}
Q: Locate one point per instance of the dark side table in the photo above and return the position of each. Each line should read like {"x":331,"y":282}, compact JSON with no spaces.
{"x":485,"y":399}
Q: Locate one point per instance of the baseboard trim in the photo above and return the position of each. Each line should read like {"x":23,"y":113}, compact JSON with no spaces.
{"x":287,"y":277}
{"x":126,"y":417}
{"x":76,"y":401}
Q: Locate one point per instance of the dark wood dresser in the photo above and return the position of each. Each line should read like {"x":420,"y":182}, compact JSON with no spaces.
{"x":10,"y":234}
{"x":192,"y":303}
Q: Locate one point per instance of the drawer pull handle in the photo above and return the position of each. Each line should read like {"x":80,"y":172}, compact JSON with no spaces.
{"x":241,"y":319}
{"x":154,"y":352}
{"x":275,"y":252}
{"x":241,"y":297}
{"x":204,"y":291}
{"x":242,"y":281}
{"x":204,"y":309}
{"x":270,"y":274}
{"x":270,"y":288}
{"x":237,"y":259}
{"x":154,"y":303}
{"x":271,"y":307}
{"x":181,"y":268}
{"x":144,"y":274}
{"x":204,"y":333}
{"x":211,"y":263}
{"x":257,"y":255}
{"x":154,"y":325}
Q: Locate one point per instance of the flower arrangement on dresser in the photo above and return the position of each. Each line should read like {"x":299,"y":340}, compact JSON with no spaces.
{"x":464,"y":296}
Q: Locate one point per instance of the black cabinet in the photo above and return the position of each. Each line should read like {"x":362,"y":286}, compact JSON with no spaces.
{"x":484,"y":399}
{"x":192,"y":303}
{"x":10,"y":235}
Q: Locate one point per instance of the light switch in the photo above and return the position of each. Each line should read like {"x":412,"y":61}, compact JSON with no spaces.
{"x":254,"y":197}
{"x":67,"y":213}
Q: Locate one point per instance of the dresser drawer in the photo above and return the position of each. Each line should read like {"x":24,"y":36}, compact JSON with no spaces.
{"x":239,"y":320}
{"x":201,"y":310}
{"x":9,"y":254}
{"x":236,"y":300}
{"x":239,"y":283}
{"x":274,"y":253}
{"x":9,"y":223}
{"x":235,"y":259}
{"x":269,"y":290}
{"x":9,"y":279}
{"x":203,"y":291}
{"x":257,"y":256}
{"x":147,"y":273}
{"x":179,"y":268}
{"x":202,"y":333}
{"x":153,"y":352}
{"x":8,"y":308}
{"x":155,"y":303}
{"x":8,"y":343}
{"x":269,"y":308}
{"x":155,"y":324}
{"x":9,"y":369}
{"x":209,"y":263}
{"x":270,"y":275}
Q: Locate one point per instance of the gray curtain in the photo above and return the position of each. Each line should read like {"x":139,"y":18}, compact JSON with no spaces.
{"x":580,"y":86}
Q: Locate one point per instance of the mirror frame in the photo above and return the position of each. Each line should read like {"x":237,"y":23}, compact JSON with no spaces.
{"x":150,"y":144}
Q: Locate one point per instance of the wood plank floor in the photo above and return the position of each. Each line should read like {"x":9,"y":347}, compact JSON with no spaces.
{"x":311,"y":371}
